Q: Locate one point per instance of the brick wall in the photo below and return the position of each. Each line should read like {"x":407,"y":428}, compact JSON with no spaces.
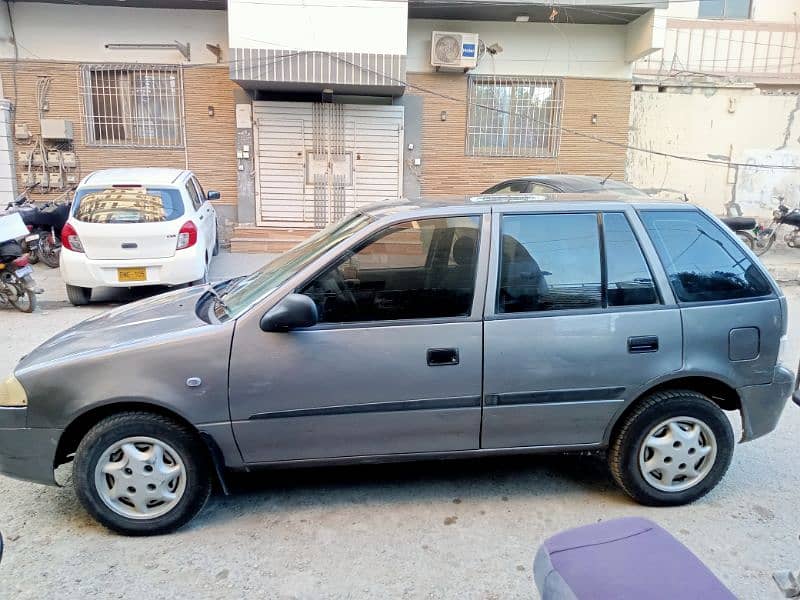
{"x":446,"y":170}
{"x":210,"y":140}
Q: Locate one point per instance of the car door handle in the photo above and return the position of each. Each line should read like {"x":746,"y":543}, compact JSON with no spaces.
{"x":642,"y":344}
{"x":200,"y":217}
{"x":440,"y":357}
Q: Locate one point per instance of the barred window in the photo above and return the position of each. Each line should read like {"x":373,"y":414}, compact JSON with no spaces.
{"x":133,"y":105}
{"x":514,"y":116}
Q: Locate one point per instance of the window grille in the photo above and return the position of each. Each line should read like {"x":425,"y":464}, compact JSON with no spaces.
{"x":514,"y":116}
{"x":133,"y":105}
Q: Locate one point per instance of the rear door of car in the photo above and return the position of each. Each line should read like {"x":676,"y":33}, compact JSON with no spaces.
{"x":128,"y":222}
{"x":578,"y":317}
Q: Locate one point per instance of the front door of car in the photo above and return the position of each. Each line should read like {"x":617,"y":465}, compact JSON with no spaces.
{"x":394,"y":365}
{"x":208,"y":213}
{"x":574,"y":326}
{"x":199,"y":212}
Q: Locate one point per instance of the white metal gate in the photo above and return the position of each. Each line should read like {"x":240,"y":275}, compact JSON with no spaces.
{"x":317,"y":162}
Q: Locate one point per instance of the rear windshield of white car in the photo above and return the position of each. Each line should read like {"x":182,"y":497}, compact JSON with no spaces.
{"x":127,"y":205}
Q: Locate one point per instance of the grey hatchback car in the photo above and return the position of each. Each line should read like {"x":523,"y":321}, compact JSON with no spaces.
{"x":419,"y":330}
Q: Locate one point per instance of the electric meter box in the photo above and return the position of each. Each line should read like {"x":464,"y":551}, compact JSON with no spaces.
{"x":56,"y":129}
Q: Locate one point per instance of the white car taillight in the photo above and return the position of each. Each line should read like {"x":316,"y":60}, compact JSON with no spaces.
{"x":187,"y":236}
{"x":783,"y":354}
{"x":70,"y":239}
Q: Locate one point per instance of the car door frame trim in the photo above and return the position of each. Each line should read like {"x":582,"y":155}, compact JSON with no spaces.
{"x":569,"y":396}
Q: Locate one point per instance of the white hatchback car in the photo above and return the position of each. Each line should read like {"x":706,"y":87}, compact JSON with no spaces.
{"x":136,"y":227}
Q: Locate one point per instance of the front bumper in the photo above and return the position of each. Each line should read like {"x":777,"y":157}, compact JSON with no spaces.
{"x":26,"y":453}
{"x":762,"y":405}
{"x":185,"y":266}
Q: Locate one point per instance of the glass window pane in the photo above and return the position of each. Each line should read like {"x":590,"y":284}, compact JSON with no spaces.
{"x":702,"y":262}
{"x":549,"y":262}
{"x":629,"y":280}
{"x":711,"y":9}
{"x":127,"y":205}
{"x":414,"y":270}
{"x":192,"y":191}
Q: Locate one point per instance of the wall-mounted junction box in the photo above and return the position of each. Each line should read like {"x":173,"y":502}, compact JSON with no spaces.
{"x":53,"y":158}
{"x":56,"y":129}
{"x":69,"y":159}
{"x":21,"y":131}
{"x":23,"y":157}
{"x":42,"y":179}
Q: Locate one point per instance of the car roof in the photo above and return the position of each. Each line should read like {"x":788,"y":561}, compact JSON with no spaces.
{"x":135,"y":176}
{"x":574,"y":183}
{"x":600,"y":201}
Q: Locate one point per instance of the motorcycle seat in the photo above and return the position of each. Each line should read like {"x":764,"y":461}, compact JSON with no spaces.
{"x":739,"y":223}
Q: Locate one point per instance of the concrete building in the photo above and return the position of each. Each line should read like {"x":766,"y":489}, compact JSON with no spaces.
{"x":300,"y":111}
{"x":725,"y":88}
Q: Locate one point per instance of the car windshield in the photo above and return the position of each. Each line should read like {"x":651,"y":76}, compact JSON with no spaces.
{"x":134,"y":204}
{"x":243,"y":293}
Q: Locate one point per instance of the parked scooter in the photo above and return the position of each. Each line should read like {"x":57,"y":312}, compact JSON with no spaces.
{"x":44,"y":222}
{"x":760,"y":239}
{"x":17,"y":286}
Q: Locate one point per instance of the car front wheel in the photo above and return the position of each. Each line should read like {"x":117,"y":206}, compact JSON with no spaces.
{"x":671,"y":449}
{"x":139,"y":473}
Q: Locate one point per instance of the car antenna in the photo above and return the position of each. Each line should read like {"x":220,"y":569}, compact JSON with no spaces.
{"x":606,"y":179}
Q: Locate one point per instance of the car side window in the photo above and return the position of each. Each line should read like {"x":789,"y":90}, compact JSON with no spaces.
{"x":512,"y":187}
{"x":192,"y":191}
{"x":539,"y":188}
{"x":630,"y":282}
{"x":549,"y":262}
{"x":200,"y":189}
{"x":702,"y":262}
{"x":413,"y":270}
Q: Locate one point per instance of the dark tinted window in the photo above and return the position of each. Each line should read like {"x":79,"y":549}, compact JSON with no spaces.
{"x":724,"y":9}
{"x":414,"y":270}
{"x":629,"y":280}
{"x":702,"y":262}
{"x":127,"y":205}
{"x":549,"y":262}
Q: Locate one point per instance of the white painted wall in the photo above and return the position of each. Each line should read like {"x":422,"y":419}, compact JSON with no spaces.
{"x":532,"y":48}
{"x":79,"y":33}
{"x":763,"y":10}
{"x":371,"y":26}
{"x":716,"y":124}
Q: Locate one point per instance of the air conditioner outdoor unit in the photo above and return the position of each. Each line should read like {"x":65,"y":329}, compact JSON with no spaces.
{"x":454,"y":50}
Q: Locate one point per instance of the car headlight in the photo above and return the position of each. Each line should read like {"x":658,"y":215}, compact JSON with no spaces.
{"x":12,"y":393}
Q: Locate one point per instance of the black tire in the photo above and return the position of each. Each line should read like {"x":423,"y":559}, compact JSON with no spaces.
{"x":623,"y":454}
{"x":26,"y":303}
{"x":181,"y":438}
{"x":33,"y":257}
{"x":49,"y":251}
{"x":78,"y":296}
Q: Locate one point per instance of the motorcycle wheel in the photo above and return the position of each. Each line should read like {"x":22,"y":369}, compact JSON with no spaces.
{"x":762,"y":247}
{"x":33,"y":256}
{"x":747,"y":238}
{"x":25,"y":300}
{"x":49,"y":251}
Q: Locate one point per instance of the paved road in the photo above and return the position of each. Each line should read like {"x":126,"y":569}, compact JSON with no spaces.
{"x":443,"y":530}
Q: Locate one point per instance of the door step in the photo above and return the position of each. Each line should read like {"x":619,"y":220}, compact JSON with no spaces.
{"x":249,"y":239}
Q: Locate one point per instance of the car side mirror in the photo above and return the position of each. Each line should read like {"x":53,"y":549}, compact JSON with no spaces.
{"x":293,"y":312}
{"x":213,"y":195}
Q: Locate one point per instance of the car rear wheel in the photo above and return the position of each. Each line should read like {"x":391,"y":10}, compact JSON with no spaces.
{"x":673,"y":448}
{"x":78,"y":296}
{"x":140,"y":473}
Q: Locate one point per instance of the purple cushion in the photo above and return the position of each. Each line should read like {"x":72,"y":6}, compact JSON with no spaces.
{"x":623,"y":559}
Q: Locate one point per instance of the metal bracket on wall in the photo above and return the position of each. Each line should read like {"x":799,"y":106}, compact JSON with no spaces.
{"x":184,"y":49}
{"x":216,"y":50}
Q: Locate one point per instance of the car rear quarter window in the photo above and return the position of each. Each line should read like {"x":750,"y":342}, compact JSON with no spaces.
{"x":127,"y":205}
{"x":702,"y":262}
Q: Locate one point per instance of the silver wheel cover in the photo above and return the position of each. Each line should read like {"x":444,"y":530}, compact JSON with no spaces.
{"x":677,"y":454}
{"x":140,"y":478}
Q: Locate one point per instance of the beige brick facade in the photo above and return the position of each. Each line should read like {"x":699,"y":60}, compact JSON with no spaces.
{"x":446,"y":170}
{"x":210,"y":140}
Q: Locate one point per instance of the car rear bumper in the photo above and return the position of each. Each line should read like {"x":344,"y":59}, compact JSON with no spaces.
{"x":185,"y":266}
{"x":762,"y":405}
{"x":26,"y":453}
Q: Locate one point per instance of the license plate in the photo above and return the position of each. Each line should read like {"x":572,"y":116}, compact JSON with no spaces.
{"x":23,"y":271}
{"x":32,"y":238}
{"x":137,"y":274}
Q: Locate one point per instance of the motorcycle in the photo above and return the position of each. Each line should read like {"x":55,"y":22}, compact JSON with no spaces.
{"x":44,"y":223}
{"x":742,"y":227}
{"x":17,"y":286}
{"x":760,"y":239}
